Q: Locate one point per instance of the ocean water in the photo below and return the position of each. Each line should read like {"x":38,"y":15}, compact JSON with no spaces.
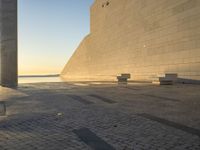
{"x":38,"y":79}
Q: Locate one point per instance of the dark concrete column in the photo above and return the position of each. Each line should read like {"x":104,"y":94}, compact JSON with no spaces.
{"x":8,"y":43}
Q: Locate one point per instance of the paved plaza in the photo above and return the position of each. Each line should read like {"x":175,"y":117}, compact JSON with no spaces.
{"x":84,"y":116}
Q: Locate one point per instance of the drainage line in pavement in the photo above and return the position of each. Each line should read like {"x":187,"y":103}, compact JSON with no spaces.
{"x":160,"y":97}
{"x":102,"y":98}
{"x":80,"y":99}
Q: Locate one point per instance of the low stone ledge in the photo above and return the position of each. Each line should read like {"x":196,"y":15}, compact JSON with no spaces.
{"x":167,"y":79}
{"x":2,"y":108}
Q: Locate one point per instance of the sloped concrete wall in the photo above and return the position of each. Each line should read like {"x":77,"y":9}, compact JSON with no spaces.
{"x":142,"y":37}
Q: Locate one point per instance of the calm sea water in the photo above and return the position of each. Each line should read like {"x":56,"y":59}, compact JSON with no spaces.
{"x":38,"y":79}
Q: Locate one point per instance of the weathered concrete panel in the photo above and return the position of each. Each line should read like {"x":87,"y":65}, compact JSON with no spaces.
{"x":8,"y":43}
{"x":142,"y":37}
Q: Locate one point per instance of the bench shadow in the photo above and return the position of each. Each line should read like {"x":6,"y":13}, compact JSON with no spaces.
{"x":187,"y":81}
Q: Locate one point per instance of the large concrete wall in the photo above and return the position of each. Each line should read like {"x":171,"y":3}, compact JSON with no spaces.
{"x":142,"y":37}
{"x":8,"y":43}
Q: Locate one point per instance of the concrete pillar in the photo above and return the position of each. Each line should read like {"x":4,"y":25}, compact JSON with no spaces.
{"x":8,"y":43}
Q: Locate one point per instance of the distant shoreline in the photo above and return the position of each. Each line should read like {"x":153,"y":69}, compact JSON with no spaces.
{"x":38,"y":76}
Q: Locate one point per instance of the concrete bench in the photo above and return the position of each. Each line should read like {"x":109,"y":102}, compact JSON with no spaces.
{"x":123,"y":78}
{"x":167,"y":79}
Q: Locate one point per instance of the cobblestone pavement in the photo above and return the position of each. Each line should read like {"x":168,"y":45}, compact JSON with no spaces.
{"x":47,"y":116}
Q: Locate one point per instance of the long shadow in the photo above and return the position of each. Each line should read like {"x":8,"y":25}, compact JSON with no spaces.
{"x":188,"y":81}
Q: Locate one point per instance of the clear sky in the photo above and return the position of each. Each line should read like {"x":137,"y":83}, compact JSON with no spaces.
{"x":49,"y":32}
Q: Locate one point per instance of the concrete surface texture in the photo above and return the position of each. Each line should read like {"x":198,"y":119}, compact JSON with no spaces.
{"x":8,"y":43}
{"x":85,"y":116}
{"x":143,"y":37}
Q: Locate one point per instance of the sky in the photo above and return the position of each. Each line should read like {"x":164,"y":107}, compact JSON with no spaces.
{"x":49,"y":31}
